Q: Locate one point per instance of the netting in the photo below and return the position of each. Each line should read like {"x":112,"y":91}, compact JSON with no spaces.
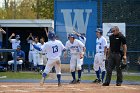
{"x":125,"y":11}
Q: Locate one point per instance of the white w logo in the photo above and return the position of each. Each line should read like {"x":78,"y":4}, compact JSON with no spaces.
{"x":78,"y":18}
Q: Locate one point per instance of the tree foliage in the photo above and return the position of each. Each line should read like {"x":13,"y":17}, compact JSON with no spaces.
{"x":27,"y":9}
{"x":44,"y":9}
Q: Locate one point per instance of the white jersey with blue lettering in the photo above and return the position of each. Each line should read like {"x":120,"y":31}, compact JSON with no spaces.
{"x":101,"y":43}
{"x":75,"y":47}
{"x":53,"y":49}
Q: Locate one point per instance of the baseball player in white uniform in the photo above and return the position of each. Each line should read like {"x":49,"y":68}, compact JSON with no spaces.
{"x":15,"y":42}
{"x":42,"y":55}
{"x":100,"y":56}
{"x":54,"y":49}
{"x":30,"y":40}
{"x":82,"y":38}
{"x":35,"y":52}
{"x":77,"y":49}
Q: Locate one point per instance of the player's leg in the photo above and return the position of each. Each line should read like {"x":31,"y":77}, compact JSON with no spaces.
{"x":48,"y":68}
{"x":19,"y":64}
{"x":102,"y":66}
{"x":10,"y":63}
{"x":40,"y":63}
{"x":44,"y":61}
{"x":72,"y":68}
{"x":35,"y":61}
{"x":79,"y":68}
{"x":58,"y":71}
{"x":96,"y":68}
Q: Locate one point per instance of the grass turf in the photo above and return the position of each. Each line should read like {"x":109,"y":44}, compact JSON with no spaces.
{"x":33,"y":75}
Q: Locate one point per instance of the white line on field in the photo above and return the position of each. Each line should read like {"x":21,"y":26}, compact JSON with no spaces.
{"x":127,"y":87}
{"x":4,"y":86}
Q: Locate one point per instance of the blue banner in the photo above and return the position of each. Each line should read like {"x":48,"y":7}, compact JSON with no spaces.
{"x":80,"y":15}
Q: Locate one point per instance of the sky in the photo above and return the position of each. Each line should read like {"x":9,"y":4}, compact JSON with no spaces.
{"x":1,"y":3}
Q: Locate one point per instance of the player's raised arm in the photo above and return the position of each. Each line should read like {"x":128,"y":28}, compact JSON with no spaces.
{"x":1,"y":30}
{"x":13,"y":34}
{"x":30,"y":36}
{"x":46,"y":30}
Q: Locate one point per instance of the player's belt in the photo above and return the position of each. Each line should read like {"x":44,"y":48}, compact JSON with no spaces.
{"x":42,"y":53}
{"x":100,"y":52}
{"x":31,"y":50}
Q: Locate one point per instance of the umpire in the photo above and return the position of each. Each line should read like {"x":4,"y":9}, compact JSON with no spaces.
{"x":116,"y":41}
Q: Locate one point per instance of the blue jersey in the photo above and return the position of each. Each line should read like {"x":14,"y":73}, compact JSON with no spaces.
{"x":20,"y":54}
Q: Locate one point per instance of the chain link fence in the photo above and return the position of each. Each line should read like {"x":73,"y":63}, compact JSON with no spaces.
{"x":125,"y":11}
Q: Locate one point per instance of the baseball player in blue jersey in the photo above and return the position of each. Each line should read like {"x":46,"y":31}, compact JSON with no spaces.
{"x":100,"y":56}
{"x":77,"y":49}
{"x":54,"y":49}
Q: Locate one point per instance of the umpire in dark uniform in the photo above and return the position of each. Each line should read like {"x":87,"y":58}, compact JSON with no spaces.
{"x":117,"y":40}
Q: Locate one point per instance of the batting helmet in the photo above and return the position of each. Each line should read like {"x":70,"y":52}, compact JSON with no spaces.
{"x":71,"y":35}
{"x":51,"y":35}
{"x":99,"y":30}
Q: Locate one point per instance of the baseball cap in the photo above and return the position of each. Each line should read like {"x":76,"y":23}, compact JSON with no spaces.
{"x":17,"y":36}
{"x":18,"y":46}
{"x":99,"y":30}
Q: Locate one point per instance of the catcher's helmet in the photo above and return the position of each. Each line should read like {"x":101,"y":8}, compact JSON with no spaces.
{"x":99,"y":30}
{"x":51,"y":35}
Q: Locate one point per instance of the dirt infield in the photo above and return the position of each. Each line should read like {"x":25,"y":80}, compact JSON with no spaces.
{"x":66,"y":88}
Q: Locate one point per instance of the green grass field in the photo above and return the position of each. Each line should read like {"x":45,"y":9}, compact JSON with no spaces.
{"x":33,"y":75}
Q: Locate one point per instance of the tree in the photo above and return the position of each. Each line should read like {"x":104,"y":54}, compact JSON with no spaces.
{"x":44,"y":9}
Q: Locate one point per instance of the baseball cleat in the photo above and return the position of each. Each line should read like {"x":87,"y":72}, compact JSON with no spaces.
{"x":42,"y":81}
{"x":78,"y":81}
{"x":118,"y":84}
{"x":73,"y":82}
{"x":105,"y":84}
{"x":97,"y":81}
{"x":59,"y":84}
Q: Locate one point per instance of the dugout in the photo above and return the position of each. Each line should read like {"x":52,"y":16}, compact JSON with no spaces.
{"x":23,"y":27}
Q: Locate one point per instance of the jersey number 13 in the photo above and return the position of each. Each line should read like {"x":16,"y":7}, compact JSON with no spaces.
{"x":55,"y":48}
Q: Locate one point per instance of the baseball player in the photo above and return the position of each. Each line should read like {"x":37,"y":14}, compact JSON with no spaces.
{"x":42,"y":55}
{"x":30,"y":39}
{"x":15,"y":42}
{"x":82,"y":38}
{"x":100,"y":56}
{"x":77,"y":49}
{"x":36,"y":61}
{"x":20,"y":56}
{"x":1,"y":34}
{"x":54,"y":49}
